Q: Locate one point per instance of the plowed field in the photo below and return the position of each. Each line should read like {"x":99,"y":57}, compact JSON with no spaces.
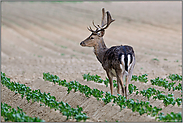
{"x":39,"y":37}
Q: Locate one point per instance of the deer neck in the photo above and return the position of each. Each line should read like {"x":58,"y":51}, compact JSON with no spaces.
{"x":99,"y":50}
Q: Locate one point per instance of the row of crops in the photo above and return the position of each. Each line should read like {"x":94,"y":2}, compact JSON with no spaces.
{"x":142,"y":107}
{"x":150,"y":92}
{"x":11,"y":114}
{"x":44,"y":100}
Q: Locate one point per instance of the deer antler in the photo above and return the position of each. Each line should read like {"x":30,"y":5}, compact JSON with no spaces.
{"x":103,"y":22}
{"x":94,"y":25}
{"x":90,"y":29}
{"x":109,"y":20}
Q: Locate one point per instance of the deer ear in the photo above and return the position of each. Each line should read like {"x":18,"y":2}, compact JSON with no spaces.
{"x":101,"y":34}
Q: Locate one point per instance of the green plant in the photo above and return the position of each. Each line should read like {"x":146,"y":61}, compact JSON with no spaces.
{"x":164,"y":83}
{"x":177,"y":61}
{"x":142,"y":78}
{"x":134,"y":77}
{"x":108,"y":97}
{"x":155,"y":59}
{"x":175,"y":77}
{"x":172,"y":117}
{"x":46,"y":99}
{"x":141,"y":107}
{"x":150,"y":92}
{"x":98,"y":79}
{"x":132,"y":88}
{"x":63,"y":47}
{"x":94,"y":78}
{"x":13,"y":115}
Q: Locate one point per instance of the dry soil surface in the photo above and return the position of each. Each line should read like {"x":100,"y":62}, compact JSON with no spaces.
{"x":42,"y":37}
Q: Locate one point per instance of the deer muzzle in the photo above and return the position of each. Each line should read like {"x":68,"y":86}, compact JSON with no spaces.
{"x":82,"y":43}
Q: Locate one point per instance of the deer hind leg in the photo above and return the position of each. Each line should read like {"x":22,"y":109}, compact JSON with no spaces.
{"x":118,"y":91}
{"x":126,"y":87}
{"x":128,"y":79}
{"x":110,"y":82}
{"x":120,"y":81}
{"x":129,"y":76}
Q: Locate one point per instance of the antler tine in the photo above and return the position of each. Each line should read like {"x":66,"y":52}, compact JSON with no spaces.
{"x":94,"y":24}
{"x":103,"y":22}
{"x":99,"y":26}
{"x":90,"y":29}
{"x":109,"y":19}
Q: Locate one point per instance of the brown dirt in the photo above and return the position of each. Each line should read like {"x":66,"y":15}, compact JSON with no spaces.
{"x":42,"y":37}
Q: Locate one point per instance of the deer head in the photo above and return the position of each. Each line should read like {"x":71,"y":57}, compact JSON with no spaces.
{"x":97,"y":35}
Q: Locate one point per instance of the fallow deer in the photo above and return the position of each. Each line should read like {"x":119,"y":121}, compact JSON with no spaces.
{"x":117,"y":61}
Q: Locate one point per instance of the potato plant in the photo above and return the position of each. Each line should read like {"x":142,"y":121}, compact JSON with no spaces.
{"x":142,"y":107}
{"x":175,"y":77}
{"x":98,"y":79}
{"x":156,"y":94}
{"x":150,"y":92}
{"x":164,"y":83}
{"x":13,"y":115}
{"x":142,"y":78}
{"x":136,"y":106}
{"x":172,"y":117}
{"x":76,"y":86}
{"x":46,"y":99}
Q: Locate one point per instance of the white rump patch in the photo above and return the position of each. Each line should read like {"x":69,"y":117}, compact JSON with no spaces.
{"x":122,"y":66}
{"x":129,"y":59}
{"x":122,"y":59}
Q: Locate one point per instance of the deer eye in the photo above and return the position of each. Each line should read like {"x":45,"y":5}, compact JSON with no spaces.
{"x":91,"y":38}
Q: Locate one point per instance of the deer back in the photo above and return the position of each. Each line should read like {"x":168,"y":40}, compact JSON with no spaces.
{"x":117,"y":55}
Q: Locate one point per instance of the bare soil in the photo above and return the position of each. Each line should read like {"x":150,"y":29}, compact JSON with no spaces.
{"x":42,"y":37}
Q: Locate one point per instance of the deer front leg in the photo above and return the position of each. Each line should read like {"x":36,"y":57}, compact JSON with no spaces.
{"x":110,"y":82}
